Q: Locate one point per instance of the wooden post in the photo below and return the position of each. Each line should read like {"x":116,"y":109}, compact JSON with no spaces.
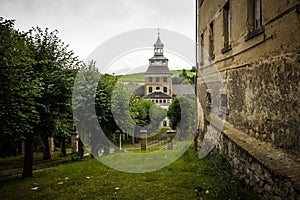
{"x":74,"y":143}
{"x":169,"y":139}
{"x":143,"y":136}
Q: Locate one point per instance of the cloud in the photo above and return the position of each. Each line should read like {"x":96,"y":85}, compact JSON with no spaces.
{"x":86,"y":24}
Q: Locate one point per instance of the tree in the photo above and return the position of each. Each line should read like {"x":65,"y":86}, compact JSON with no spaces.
{"x":55,"y":65}
{"x":19,"y":89}
{"x":83,"y":104}
{"x":182,"y":115}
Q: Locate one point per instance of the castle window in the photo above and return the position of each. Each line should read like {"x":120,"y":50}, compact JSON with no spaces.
{"x":254,"y":19}
{"x":150,"y":89}
{"x":150,"y":79}
{"x":226,"y":27}
{"x":165,"y":79}
{"x":211,"y":41}
{"x":157,"y":79}
{"x":157,"y":88}
{"x":164,"y":101}
{"x":165,"y":89}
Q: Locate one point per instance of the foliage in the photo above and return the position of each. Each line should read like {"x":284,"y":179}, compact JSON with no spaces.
{"x":19,"y":88}
{"x":55,"y":66}
{"x":181,"y":113}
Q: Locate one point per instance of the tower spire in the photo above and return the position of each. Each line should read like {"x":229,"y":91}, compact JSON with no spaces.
{"x":158,"y":46}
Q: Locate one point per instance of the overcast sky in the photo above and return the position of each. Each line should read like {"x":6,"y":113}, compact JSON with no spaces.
{"x":85,"y":24}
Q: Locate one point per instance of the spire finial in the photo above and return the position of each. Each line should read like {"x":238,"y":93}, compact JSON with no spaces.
{"x":158,"y":33}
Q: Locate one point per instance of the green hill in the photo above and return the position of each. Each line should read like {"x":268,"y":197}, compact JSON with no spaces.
{"x":139,"y":77}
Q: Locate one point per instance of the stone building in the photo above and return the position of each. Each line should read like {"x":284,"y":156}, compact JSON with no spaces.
{"x":248,"y":86}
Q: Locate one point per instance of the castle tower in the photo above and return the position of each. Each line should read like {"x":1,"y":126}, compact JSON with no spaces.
{"x":158,"y":77}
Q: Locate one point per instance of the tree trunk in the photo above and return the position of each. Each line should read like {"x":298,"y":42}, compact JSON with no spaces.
{"x":28,"y":157}
{"x":80,"y":149}
{"x":46,"y":151}
{"x":63,"y":152}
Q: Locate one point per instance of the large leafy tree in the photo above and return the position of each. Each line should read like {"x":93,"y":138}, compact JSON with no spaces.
{"x":55,"y":66}
{"x":20,"y":87}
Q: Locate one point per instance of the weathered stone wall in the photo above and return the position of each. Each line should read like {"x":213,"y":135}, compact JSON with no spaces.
{"x":269,"y":171}
{"x":264,"y":181}
{"x":261,"y":78}
{"x":263,"y":100}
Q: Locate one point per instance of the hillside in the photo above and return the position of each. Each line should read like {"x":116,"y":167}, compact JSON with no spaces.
{"x":139,"y":77}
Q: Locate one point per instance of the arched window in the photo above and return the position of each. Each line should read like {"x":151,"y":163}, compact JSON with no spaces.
{"x":157,"y":88}
{"x":150,"y":90}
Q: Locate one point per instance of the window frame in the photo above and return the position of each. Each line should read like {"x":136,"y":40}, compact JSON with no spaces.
{"x":211,"y":41}
{"x":254,"y":28}
{"x":150,"y":90}
{"x":226,"y":27}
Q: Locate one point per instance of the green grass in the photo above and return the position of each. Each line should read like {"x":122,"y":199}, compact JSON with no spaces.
{"x":139,"y":77}
{"x":133,"y":78}
{"x":186,"y":178}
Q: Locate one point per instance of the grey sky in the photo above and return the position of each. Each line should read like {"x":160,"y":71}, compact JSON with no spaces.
{"x":85,"y":24}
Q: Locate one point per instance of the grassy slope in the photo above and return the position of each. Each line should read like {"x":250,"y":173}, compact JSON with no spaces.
{"x":139,"y":77}
{"x":186,"y":178}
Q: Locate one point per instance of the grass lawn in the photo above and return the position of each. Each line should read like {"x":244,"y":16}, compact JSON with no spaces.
{"x":186,"y":178}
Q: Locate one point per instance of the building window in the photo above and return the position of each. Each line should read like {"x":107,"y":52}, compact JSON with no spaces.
{"x":150,"y":90}
{"x":254,"y":19}
{"x":150,"y":79}
{"x":165,"y":89}
{"x":208,"y":99}
{"x":157,"y":88}
{"x":164,"y":123}
{"x":165,"y":79}
{"x":211,"y":41}
{"x":223,"y":104}
{"x":160,"y":101}
{"x":257,"y":14}
{"x":226,"y":27}
{"x":156,"y":101}
{"x":157,"y":79}
{"x":202,"y":50}
{"x":164,"y":101}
